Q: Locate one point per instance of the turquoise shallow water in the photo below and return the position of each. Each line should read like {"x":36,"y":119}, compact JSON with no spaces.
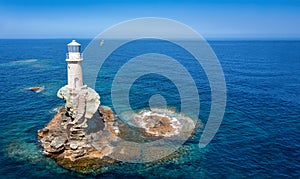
{"x":259,"y":135}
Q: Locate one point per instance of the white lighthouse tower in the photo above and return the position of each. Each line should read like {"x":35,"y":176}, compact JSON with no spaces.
{"x":81,"y":101}
{"x":74,"y":60}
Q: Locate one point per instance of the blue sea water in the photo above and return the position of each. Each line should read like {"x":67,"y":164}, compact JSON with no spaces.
{"x":259,"y":136}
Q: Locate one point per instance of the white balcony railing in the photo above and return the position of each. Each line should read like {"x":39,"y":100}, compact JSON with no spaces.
{"x":74,"y":56}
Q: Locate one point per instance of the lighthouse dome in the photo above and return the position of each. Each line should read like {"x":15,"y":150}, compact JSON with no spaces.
{"x":74,"y":43}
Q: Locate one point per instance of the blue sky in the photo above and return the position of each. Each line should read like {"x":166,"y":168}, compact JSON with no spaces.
{"x":211,"y":18}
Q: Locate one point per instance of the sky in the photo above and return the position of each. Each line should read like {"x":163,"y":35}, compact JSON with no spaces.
{"x":211,"y":18}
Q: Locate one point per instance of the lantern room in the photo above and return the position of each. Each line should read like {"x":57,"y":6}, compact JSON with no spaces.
{"x":74,"y":47}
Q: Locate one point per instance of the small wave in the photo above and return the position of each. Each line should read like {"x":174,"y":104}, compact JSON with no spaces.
{"x":54,"y":110}
{"x":24,"y":61}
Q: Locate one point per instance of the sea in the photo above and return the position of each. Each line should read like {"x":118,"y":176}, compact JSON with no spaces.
{"x":259,"y":136}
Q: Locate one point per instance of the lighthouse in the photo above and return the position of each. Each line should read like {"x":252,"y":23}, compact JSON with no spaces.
{"x":74,"y":60}
{"x":81,"y":101}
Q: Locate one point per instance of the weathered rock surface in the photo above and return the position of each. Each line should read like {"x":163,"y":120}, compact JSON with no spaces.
{"x":83,"y":137}
{"x":87,"y":149}
{"x":160,"y":122}
{"x":71,"y":145}
{"x":80,"y":103}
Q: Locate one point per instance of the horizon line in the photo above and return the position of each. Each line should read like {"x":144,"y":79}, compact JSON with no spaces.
{"x":205,"y":38}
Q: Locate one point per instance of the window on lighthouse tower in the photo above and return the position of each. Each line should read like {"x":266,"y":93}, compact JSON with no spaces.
{"x":76,"y":82}
{"x":74,"y":48}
